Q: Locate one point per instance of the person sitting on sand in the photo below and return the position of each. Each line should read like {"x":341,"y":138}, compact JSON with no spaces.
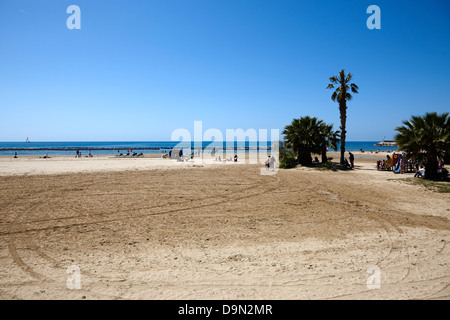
{"x":389,"y":163}
{"x":15,"y":154}
{"x":420,"y":173}
{"x":346,"y":164}
{"x":235,"y":158}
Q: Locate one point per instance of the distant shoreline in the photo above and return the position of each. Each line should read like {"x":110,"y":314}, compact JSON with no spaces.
{"x":157,"y":147}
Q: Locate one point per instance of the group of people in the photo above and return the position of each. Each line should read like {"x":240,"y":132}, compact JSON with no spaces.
{"x":385,"y":164}
{"x":179,"y":155}
{"x":399,"y":163}
{"x":351,"y":157}
{"x":78,"y":155}
{"x":235,"y":159}
{"x":441,"y":171}
{"x":129,"y":153}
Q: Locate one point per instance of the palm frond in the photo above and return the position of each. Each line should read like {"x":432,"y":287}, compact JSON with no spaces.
{"x":333,"y":96}
{"x":349,"y":77}
{"x":334,"y":79}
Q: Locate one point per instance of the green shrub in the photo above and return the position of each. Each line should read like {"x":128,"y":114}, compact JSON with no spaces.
{"x":287,"y":158}
{"x":329,"y":164}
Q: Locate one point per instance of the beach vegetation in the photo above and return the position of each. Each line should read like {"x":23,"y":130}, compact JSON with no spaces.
{"x":328,"y":138}
{"x":343,"y":89}
{"x":431,"y":185}
{"x":308,"y":135}
{"x":287,"y":157}
{"x":329,"y":164}
{"x":427,"y":139}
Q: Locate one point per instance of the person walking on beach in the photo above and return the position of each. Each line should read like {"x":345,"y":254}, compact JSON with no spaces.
{"x":352,"y":160}
{"x":272,"y":163}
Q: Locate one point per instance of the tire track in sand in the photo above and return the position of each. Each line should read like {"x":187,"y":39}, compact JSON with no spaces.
{"x":16,"y":228}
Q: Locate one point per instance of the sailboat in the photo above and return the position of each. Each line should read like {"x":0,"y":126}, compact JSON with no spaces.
{"x":27,"y":141}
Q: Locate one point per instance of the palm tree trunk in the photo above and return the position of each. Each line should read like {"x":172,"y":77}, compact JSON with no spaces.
{"x":343,"y":114}
{"x":324,"y":154}
{"x":431,"y":168}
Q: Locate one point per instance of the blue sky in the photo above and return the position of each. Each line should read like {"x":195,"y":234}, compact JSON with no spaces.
{"x":138,"y":70}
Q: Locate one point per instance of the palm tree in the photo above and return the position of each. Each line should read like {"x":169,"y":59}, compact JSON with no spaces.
{"x":426,"y":138}
{"x":328,"y":138}
{"x":342,"y":94}
{"x":303,"y":136}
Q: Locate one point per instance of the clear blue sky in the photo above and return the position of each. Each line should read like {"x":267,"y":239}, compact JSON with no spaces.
{"x":137,"y":70}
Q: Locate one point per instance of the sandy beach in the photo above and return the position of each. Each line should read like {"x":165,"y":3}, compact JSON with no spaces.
{"x":153,"y":228}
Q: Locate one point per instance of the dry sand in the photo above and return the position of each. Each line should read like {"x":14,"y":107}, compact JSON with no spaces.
{"x":161,"y":229}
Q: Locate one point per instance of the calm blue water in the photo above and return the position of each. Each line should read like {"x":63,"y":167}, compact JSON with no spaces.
{"x":122,"y":146}
{"x":164,"y":145}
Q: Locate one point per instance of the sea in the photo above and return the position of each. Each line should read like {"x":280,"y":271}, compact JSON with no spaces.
{"x":115,"y":147}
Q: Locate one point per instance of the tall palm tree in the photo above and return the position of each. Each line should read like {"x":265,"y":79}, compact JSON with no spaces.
{"x":426,"y":138}
{"x":328,"y":138}
{"x":342,"y":94}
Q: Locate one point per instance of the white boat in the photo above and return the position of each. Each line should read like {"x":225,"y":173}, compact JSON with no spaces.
{"x":386,"y":143}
